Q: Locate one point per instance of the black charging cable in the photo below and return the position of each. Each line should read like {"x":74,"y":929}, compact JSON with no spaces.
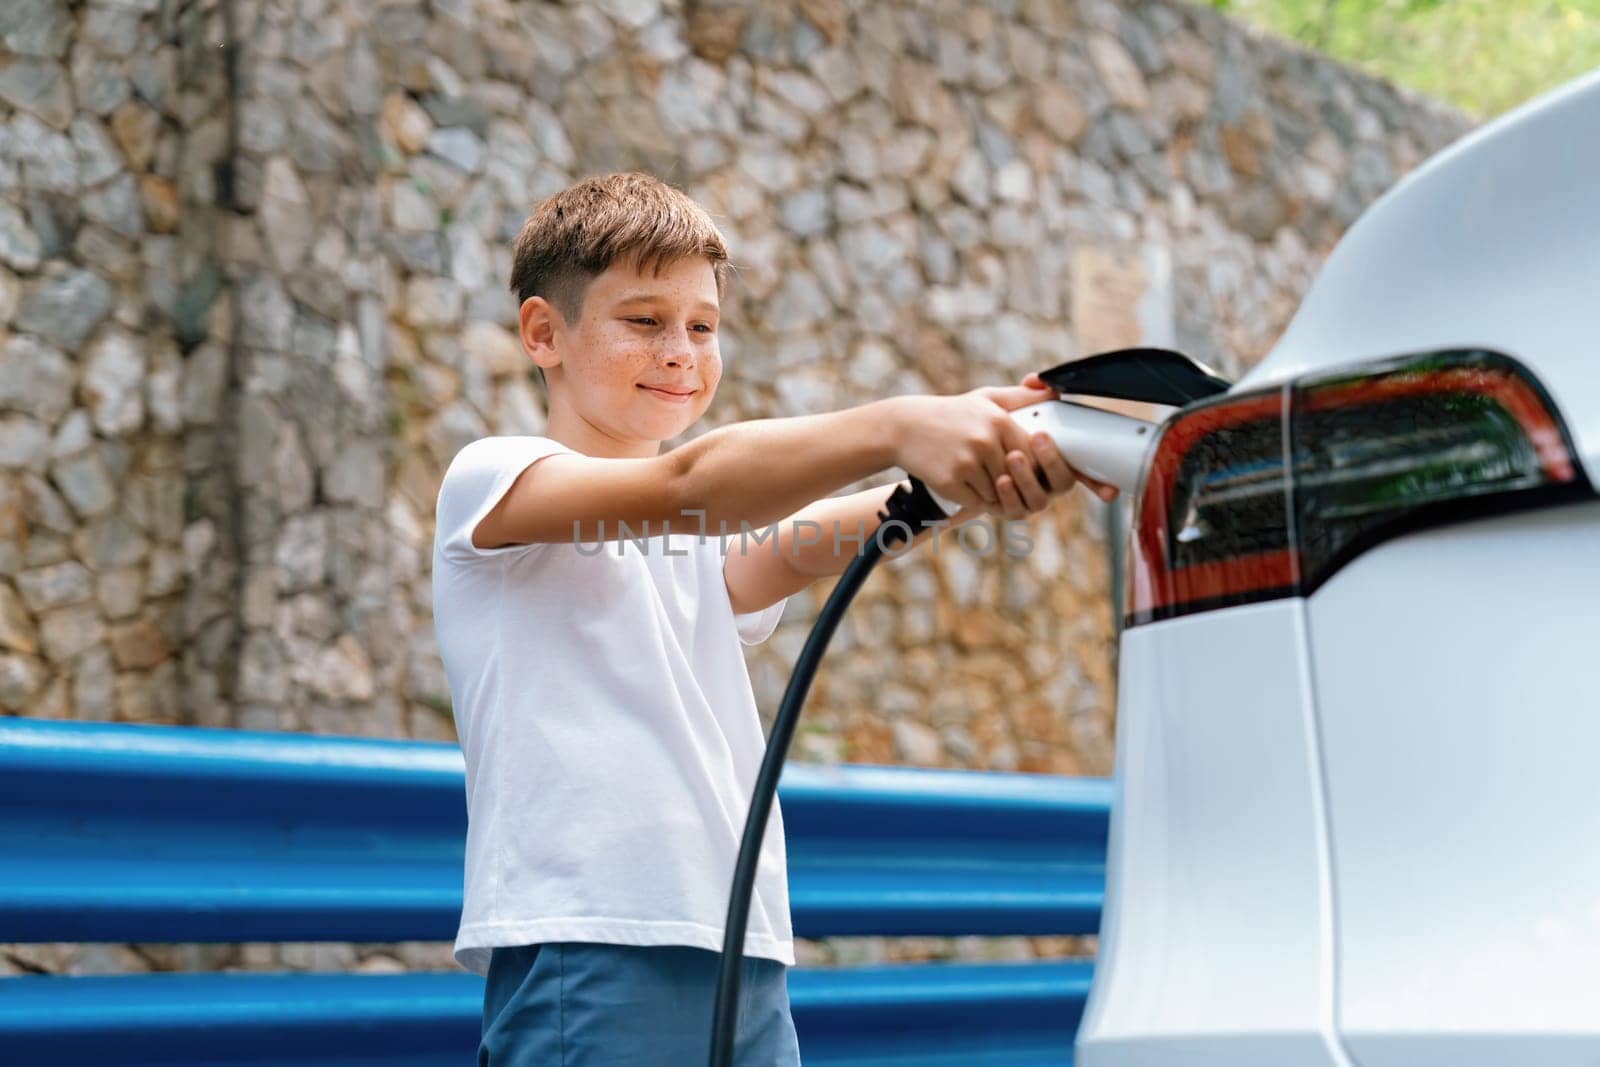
{"x":909,"y":509}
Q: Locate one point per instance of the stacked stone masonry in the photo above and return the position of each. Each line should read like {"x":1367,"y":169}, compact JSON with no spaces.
{"x":252,"y":300}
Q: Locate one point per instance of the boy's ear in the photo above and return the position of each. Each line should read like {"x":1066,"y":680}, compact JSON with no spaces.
{"x":538,"y":322}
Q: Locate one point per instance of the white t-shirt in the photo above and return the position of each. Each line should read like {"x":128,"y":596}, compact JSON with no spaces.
{"x":608,"y":725}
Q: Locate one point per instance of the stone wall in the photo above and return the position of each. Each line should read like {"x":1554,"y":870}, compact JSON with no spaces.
{"x":113,"y":363}
{"x":252,"y":267}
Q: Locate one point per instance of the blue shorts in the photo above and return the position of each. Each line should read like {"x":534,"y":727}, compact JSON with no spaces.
{"x":581,"y":1004}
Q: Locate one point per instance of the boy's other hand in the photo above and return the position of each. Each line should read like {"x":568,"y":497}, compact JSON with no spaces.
{"x":957,"y":444}
{"x":1032,"y":478}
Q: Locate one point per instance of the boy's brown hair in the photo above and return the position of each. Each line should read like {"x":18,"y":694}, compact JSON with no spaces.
{"x":625,"y":217}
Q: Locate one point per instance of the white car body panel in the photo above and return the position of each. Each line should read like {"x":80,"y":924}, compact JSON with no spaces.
{"x":1457,"y":676}
{"x":1219,"y":946}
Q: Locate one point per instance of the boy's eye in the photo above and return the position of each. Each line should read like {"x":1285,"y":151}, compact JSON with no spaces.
{"x":643,"y":320}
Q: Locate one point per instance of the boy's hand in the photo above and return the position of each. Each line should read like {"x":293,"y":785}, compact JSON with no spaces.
{"x":957,"y":444}
{"x":1031,"y":480}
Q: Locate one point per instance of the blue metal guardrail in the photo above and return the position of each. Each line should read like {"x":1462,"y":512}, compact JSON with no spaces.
{"x":122,"y":832}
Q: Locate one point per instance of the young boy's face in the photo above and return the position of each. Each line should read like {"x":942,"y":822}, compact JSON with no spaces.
{"x":640,"y":336}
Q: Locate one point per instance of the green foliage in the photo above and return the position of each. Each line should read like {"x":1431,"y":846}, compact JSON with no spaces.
{"x":1483,"y":56}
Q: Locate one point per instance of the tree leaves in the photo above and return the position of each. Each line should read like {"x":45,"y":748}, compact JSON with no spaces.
{"x":1483,"y":56}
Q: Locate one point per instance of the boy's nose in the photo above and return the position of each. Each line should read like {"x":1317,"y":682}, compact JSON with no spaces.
{"x":677,"y":349}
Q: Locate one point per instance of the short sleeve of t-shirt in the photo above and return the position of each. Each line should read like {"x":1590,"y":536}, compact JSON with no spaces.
{"x":473,"y":484}
{"x":755,"y":627}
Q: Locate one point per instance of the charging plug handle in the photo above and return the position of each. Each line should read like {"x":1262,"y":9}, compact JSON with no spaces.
{"x":911,"y":506}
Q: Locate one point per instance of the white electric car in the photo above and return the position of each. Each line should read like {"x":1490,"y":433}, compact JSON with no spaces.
{"x":1357,"y":815}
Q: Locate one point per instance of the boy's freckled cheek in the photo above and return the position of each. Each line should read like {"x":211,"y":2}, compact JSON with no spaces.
{"x":618,"y":360}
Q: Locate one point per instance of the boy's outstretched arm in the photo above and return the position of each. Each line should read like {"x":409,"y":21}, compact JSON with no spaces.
{"x":956,"y":444}
{"x":820,"y":539}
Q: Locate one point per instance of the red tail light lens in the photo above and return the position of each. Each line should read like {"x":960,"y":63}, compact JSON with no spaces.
{"x":1254,"y":496}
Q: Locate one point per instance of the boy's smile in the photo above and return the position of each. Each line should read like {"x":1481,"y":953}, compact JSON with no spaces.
{"x":679,"y":397}
{"x":641,"y":363}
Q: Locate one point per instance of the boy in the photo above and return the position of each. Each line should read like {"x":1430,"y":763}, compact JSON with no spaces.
{"x":591,"y":632}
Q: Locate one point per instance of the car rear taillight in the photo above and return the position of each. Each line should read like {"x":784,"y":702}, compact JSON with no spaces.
{"x":1266,"y":494}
